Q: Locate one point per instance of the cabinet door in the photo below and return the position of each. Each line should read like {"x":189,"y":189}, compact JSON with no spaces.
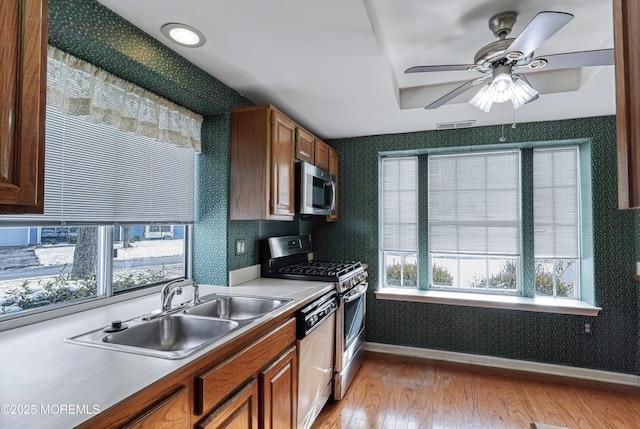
{"x":239,"y":412}
{"x":626,"y":29}
{"x":333,"y":169}
{"x":322,"y":155}
{"x":305,"y":146}
{"x":23,"y":57}
{"x":279,"y":386}
{"x":282,"y":167}
{"x":171,"y":412}
{"x":217,"y":383}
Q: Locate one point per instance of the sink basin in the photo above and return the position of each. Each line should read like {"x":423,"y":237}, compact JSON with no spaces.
{"x":237,"y":307}
{"x":173,"y":333}
{"x":182,"y":332}
{"x":170,"y":337}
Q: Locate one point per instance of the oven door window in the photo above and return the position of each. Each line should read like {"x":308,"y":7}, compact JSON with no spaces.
{"x":354,"y":313}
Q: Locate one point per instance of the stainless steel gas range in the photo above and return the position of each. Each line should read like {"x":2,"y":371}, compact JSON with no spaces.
{"x":289,"y":257}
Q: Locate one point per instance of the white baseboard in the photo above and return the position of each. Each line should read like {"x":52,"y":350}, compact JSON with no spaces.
{"x":512,"y":364}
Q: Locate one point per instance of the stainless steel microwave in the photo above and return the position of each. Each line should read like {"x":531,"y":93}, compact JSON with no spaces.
{"x":316,"y":190}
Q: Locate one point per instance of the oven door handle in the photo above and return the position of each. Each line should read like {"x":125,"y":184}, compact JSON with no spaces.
{"x":355,"y":294}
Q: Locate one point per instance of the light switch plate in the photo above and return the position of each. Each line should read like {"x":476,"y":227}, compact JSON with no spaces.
{"x":240,"y":246}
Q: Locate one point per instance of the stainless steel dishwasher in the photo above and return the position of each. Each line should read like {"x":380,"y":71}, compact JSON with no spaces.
{"x":316,"y":351}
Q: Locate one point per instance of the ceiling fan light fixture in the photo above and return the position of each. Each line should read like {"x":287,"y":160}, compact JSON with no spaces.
{"x":503,"y":88}
{"x":522,"y":93}
{"x":482,"y":100}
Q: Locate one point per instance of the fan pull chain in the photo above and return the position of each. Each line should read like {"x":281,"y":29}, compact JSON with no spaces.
{"x":502,"y":137}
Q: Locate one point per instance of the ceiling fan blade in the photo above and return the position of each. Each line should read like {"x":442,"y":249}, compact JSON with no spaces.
{"x":542,"y":26}
{"x":453,"y":67}
{"x":601,"y":57}
{"x":453,"y":94}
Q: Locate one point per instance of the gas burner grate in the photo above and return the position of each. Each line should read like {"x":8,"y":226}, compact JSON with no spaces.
{"x":321,"y":268}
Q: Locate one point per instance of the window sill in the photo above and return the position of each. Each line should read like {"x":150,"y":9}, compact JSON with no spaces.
{"x":508,"y":302}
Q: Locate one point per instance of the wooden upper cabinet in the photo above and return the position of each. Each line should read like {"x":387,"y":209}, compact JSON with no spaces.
{"x":22,"y":105}
{"x":262,"y":164}
{"x":305,"y":150}
{"x":626,"y":29}
{"x":322,"y":155}
{"x":333,"y":169}
{"x":282,"y":165}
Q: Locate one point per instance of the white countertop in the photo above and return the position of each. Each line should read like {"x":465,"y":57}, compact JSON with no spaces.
{"x":46,"y":382}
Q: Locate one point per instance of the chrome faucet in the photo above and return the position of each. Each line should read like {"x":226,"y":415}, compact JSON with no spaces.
{"x":196,"y":293}
{"x":168,"y":292}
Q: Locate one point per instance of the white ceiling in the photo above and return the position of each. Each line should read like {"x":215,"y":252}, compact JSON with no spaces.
{"x":337,"y":66}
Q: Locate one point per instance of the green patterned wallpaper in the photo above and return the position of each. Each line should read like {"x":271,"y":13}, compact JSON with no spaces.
{"x":542,"y":337}
{"x":212,"y":202}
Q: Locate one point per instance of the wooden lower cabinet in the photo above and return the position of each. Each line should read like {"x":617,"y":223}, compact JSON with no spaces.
{"x":171,"y":412}
{"x":272,"y":361}
{"x":279,"y":392}
{"x":239,"y":412}
{"x":166,"y":404}
{"x":253,"y":385}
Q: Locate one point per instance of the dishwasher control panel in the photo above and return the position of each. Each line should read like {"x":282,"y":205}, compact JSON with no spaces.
{"x":313,"y":314}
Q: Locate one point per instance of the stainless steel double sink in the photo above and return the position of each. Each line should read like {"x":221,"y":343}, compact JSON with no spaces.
{"x":181,"y":331}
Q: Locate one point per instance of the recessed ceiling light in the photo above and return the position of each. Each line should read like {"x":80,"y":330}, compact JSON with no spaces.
{"x":183,"y":35}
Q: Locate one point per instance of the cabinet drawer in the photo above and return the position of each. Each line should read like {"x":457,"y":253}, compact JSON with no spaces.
{"x":217,"y":383}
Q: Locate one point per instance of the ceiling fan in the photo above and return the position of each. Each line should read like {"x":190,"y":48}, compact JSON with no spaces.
{"x":500,"y":59}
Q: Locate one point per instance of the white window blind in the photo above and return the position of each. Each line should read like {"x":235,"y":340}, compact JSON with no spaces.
{"x":97,"y":174}
{"x":556,"y":203}
{"x":474,"y":203}
{"x":400,"y":203}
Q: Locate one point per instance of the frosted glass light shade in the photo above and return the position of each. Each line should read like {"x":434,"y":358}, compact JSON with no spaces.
{"x":503,"y":87}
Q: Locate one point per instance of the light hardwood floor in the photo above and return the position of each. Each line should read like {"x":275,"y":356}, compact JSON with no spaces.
{"x":401,"y":392}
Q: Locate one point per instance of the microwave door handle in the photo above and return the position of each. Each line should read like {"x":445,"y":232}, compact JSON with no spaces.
{"x":333,"y":195}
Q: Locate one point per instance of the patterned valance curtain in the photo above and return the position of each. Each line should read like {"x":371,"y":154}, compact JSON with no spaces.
{"x":76,"y":87}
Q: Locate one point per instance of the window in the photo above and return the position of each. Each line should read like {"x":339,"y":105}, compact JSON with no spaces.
{"x":479,"y":211}
{"x":474,"y":220}
{"x":141,"y":259}
{"x":119,"y":197}
{"x":556,"y":221}
{"x":400,"y":221}
{"x":39,"y":271}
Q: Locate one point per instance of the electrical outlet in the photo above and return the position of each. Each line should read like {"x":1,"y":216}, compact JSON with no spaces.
{"x":240,"y":246}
